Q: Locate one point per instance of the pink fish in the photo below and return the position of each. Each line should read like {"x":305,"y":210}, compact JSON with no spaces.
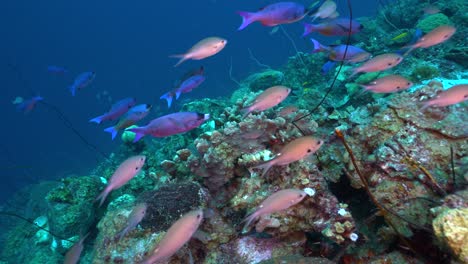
{"x":285,"y":111}
{"x":171,"y":124}
{"x":433,"y":37}
{"x":379,"y":63}
{"x":28,"y":105}
{"x":73,"y":254}
{"x":137,"y":214}
{"x":133,"y":115}
{"x":204,"y":48}
{"x":335,"y":27}
{"x":117,"y":110}
{"x":178,"y":234}
{"x":276,"y":202}
{"x":327,"y":9}
{"x":454,"y":95}
{"x":125,"y":172}
{"x":291,"y":152}
{"x":388,"y":84}
{"x":267,"y":99}
{"x":274,"y":14}
{"x":431,"y":10}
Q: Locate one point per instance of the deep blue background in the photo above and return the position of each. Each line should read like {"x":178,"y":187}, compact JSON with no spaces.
{"x":127,"y":44}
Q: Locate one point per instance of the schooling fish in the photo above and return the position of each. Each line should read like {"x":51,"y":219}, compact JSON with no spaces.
{"x":178,"y":234}
{"x":171,"y":124}
{"x":379,"y":63}
{"x":291,"y":152}
{"x":117,"y":110}
{"x":204,"y":48}
{"x":276,"y":202}
{"x":137,"y":214}
{"x":185,"y":87}
{"x":133,"y":115}
{"x":74,"y":253}
{"x":454,"y":95}
{"x":433,"y":37}
{"x":335,"y":27}
{"x":27,"y":106}
{"x":387,"y":84}
{"x":274,"y":14}
{"x":326,"y":10}
{"x":125,"y":172}
{"x":83,"y":80}
{"x":267,"y":99}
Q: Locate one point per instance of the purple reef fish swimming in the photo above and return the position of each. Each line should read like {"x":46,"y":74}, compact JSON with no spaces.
{"x":186,"y":86}
{"x":335,"y":27}
{"x":116,"y":111}
{"x":56,"y":69}
{"x":171,"y":124}
{"x":274,"y":14}
{"x":81,"y":81}
{"x":337,"y":53}
{"x":133,"y":115}
{"x":27,"y":106}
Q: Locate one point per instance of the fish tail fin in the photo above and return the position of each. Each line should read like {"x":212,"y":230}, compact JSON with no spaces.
{"x":354,"y":72}
{"x":248,"y":221}
{"x":247,"y":19}
{"x":318,"y":47}
{"x":264,"y":167}
{"x":102,"y":196}
{"x":97,"y":120}
{"x":139,"y":132}
{"x":308,"y":28}
{"x":72,"y":89}
{"x":168,"y":96}
{"x":112,"y":130}
{"x":177,"y":94}
{"x":245,"y":111}
{"x":122,"y":233}
{"x":183,"y":57}
{"x":364,"y":90}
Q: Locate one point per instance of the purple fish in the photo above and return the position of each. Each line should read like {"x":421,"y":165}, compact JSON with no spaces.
{"x":117,"y":110}
{"x":274,"y":14}
{"x":133,"y":115}
{"x":28,"y":105}
{"x":57,"y":70}
{"x":83,"y":80}
{"x":185,"y":87}
{"x":335,"y":27}
{"x":171,"y":124}
{"x":337,"y":53}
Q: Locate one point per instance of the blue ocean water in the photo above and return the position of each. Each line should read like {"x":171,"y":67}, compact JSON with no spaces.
{"x":127,"y":44}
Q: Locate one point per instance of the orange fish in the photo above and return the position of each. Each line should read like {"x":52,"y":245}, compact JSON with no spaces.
{"x":285,"y":111}
{"x":276,"y":202}
{"x":454,"y":95}
{"x":267,"y":99}
{"x":387,"y":84}
{"x":291,"y":152}
{"x":178,"y":234}
{"x":204,"y":48}
{"x":379,"y":63}
{"x":433,"y":37}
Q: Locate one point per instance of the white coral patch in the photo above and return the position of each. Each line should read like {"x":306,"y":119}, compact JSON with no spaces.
{"x":309,"y":191}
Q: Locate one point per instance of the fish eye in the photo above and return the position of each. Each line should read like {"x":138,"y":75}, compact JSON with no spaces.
{"x":136,"y":168}
{"x":309,"y":151}
{"x":390,"y":64}
{"x":465,"y":96}
{"x":408,"y":83}
{"x":300,"y":195}
{"x":398,"y":87}
{"x":319,"y":142}
{"x":198,"y":216}
{"x":142,"y":159}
